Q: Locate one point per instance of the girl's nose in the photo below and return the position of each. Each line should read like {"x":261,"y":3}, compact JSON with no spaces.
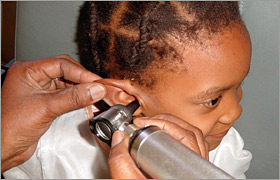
{"x":233,"y":109}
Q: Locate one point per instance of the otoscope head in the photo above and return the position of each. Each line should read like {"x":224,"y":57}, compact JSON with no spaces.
{"x":106,"y":123}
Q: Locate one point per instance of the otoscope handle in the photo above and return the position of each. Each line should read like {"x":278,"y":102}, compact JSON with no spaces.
{"x":163,"y":157}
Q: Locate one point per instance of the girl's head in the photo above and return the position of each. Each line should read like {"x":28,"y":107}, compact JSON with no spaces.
{"x":183,"y":58}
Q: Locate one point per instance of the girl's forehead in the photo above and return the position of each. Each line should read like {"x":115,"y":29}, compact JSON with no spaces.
{"x":225,"y":60}
{"x":229,"y":48}
{"x":217,"y":59}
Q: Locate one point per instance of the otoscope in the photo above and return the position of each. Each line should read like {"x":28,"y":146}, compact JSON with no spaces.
{"x":154,"y":150}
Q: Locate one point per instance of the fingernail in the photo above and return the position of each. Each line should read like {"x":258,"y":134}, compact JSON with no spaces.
{"x":97,"y":92}
{"x":117,"y":138}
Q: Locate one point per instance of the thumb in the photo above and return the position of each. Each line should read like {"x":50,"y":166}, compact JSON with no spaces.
{"x":76,"y":97}
{"x":121,"y":164}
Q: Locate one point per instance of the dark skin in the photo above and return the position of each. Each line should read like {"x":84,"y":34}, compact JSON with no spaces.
{"x":120,"y":162}
{"x":225,"y":63}
{"x":36,"y":92}
{"x":32,"y":98}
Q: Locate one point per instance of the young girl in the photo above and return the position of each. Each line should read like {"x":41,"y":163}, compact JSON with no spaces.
{"x":187,"y":59}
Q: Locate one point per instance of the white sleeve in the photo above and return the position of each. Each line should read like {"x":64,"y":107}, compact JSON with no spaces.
{"x":66,"y":150}
{"x":230,"y":155}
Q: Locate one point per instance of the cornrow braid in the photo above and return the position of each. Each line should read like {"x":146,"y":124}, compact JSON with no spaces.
{"x":132,"y":39}
{"x":140,"y":49}
{"x":93,"y":35}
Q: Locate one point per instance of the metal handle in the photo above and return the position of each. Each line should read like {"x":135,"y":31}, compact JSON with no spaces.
{"x":163,"y":157}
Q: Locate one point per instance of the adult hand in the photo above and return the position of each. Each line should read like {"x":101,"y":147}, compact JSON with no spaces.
{"x":33,"y":94}
{"x":122,"y":165}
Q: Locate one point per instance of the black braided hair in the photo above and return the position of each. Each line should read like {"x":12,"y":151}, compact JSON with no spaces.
{"x":93,"y":33}
{"x":145,"y":33}
{"x":127,"y":40}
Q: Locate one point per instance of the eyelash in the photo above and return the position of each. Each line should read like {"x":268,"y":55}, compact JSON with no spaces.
{"x":212,"y":103}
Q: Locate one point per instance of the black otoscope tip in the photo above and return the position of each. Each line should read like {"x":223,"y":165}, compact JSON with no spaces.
{"x":131,"y":107}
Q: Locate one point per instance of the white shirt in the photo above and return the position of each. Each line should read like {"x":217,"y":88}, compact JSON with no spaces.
{"x":230,"y":155}
{"x":68,"y":150}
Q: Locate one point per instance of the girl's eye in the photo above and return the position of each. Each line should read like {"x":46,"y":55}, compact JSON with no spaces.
{"x":212,"y":102}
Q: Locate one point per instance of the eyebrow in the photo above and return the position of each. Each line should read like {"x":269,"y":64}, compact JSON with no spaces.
{"x":210,"y":92}
{"x":214,"y":91}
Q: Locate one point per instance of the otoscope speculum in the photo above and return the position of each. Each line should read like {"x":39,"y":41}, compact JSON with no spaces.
{"x":106,"y":123}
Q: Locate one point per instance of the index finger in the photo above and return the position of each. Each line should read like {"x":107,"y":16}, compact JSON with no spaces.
{"x":45,"y":70}
{"x":73,"y":71}
{"x":183,"y":132}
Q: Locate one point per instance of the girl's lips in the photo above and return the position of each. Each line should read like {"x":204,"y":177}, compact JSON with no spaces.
{"x":218,"y":136}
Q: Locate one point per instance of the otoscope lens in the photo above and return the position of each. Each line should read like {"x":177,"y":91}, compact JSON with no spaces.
{"x":103,"y":130}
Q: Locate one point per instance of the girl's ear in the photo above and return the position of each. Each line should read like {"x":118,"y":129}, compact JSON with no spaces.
{"x":120,"y":92}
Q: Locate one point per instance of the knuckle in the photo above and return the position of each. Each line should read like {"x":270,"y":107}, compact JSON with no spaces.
{"x":190,"y":143}
{"x":198,"y":132}
{"x":64,"y":56}
{"x":189,"y":136}
{"x":74,"y":98}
